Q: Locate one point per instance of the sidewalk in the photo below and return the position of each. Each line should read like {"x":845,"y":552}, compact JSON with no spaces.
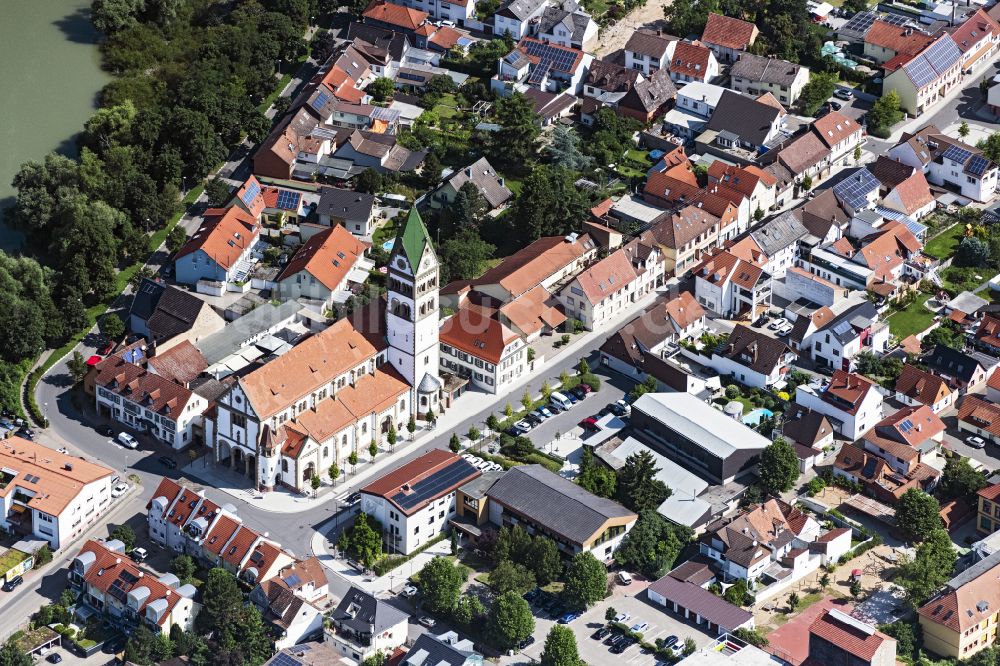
{"x":365,"y":581}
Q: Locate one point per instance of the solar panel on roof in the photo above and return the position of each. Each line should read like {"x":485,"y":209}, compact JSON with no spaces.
{"x":288,"y":200}
{"x":920,"y":72}
{"x":321,"y":99}
{"x":906,"y":426}
{"x":978,"y":165}
{"x":423,"y":490}
{"x":285,"y":659}
{"x":252,"y":192}
{"x":942,"y":55}
{"x":956,"y":154}
{"x":860,"y":22}
{"x":854,"y":190}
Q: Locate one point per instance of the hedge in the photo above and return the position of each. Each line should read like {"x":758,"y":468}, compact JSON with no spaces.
{"x":388,"y":563}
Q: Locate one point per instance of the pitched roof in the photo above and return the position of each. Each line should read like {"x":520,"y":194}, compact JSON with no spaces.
{"x":803,"y":152}
{"x":630,"y":342}
{"x":423,"y":480}
{"x":54,"y":478}
{"x":849,"y":634}
{"x":404,"y":17}
{"x":890,"y":172}
{"x":650,"y":94}
{"x":181,"y":363}
{"x":153,"y":392}
{"x":175,"y":313}
{"x":970,"y":598}
{"x":691,"y":59}
{"x":557,"y":504}
{"x":950,"y":362}
{"x":328,"y":256}
{"x":611,"y":77}
{"x":697,"y":599}
{"x":755,"y":350}
{"x":900,"y":39}
{"x":974,"y":30}
{"x":307,"y":366}
{"x":847,"y":391}
{"x":223,"y":236}
{"x":345,"y":204}
{"x":477,"y":334}
{"x":683,"y":226}
{"x":922,"y":386}
{"x":806,"y":426}
{"x":649,"y":43}
{"x":743,"y":179}
{"x":413,"y":239}
{"x":484,"y":177}
{"x":981,"y":413}
{"x":606,"y":277}
{"x":988,"y":333}
{"x":533,"y":310}
{"x":834,"y":127}
{"x":720,"y":266}
{"x":728,"y":32}
{"x":913,"y":192}
{"x":763,"y":69}
{"x":365,"y":614}
{"x":745,"y":116}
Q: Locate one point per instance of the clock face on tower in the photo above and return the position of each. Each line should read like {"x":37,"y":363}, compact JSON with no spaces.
{"x":401,"y":263}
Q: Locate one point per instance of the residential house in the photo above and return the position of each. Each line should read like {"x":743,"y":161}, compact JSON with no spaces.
{"x":916,"y":386}
{"x":636,"y":349}
{"x":381,"y":152}
{"x":993,"y":387}
{"x":755,"y":75}
{"x":979,"y":417}
{"x":648,"y":51}
{"x":483,"y":178}
{"x":325,"y":267}
{"x":924,"y":79}
{"x":569,"y":25}
{"x":809,"y":432}
{"x":911,"y":196}
{"x":728,"y":36}
{"x":290,"y":602}
{"x":394,"y":17}
{"x":649,"y":97}
{"x":688,"y":431}
{"x":167,"y":316}
{"x":118,"y":591}
{"x":836,"y":638}
{"x":550,"y":107}
{"x":220,"y":249}
{"x":416,"y":501}
{"x":877,"y":478}
{"x":963,"y":372}
{"x":750,"y":181}
{"x":987,"y":335}
{"x":906,"y":439}
{"x":684,"y":235}
{"x":537,"y":64}
{"x":752,"y":358}
{"x":441,"y":650}
{"x":695,"y":603}
{"x":693,"y":107}
{"x":692,"y":61}
{"x":607,"y":83}
{"x":731,"y":286}
{"x":50,"y":495}
{"x":977,"y":38}
{"x":948,"y":162}
{"x":456,"y":11}
{"x":480,"y":348}
{"x":837,"y":343}
{"x":758,"y":538}
{"x":961,"y":619}
{"x":515,"y":17}
{"x":840,"y":134}
{"x":741,"y":122}
{"x":545,"y":503}
{"x":602,"y":290}
{"x":800,"y":283}
{"x":887,"y":42}
{"x":355,"y":211}
{"x":852,"y":403}
{"x":988,"y":509}
{"x":362,"y":625}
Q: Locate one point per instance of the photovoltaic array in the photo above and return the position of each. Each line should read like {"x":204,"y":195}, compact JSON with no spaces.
{"x":427,"y":488}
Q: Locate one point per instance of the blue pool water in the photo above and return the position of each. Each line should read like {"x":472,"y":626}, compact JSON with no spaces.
{"x":387,"y":246}
{"x":754,"y":417}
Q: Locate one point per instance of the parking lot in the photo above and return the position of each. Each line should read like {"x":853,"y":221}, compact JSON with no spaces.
{"x":629,"y":599}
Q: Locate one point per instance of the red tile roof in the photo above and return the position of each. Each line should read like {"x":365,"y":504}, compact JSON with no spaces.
{"x":417,"y":470}
{"x":223,"y":236}
{"x":729,"y":32}
{"x":220,"y":533}
{"x":914,"y":193}
{"x":849,"y":634}
{"x":328,"y":256}
{"x":404,"y":17}
{"x":849,"y":388}
{"x":606,"y":277}
{"x":240,"y":546}
{"x":477,"y":334}
{"x":834,"y":127}
{"x":899,"y":39}
{"x":980,"y":413}
{"x":989,"y":333}
{"x":968,"y":605}
{"x":691,"y":59}
{"x":975,"y":29}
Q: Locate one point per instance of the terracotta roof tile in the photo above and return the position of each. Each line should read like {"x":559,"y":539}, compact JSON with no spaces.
{"x":834,"y":127}
{"x":223,"y":236}
{"x":849,"y":390}
{"x":988,"y":333}
{"x":728,"y":32}
{"x":900,"y":39}
{"x":397,"y":15}
{"x":220,"y":533}
{"x":58,"y":477}
{"x":972,"y":602}
{"x":606,"y":277}
{"x":842,"y":631}
{"x":417,"y":470}
{"x":922,"y":386}
{"x":691,"y":59}
{"x":980,"y":413}
{"x":914,"y":193}
{"x":182,"y":363}
{"x":240,"y":545}
{"x":328,"y":256}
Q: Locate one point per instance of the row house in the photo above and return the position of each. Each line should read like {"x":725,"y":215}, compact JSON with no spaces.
{"x":888,"y":42}
{"x":977,"y":38}
{"x":456,"y":11}
{"x":948,"y":162}
{"x":606,"y":288}
{"x":755,"y":75}
{"x":731,"y":286}
{"x":751,"y":181}
{"x":648,"y":51}
{"x":480,"y":348}
{"x":683,"y":236}
{"x":923,"y":80}
{"x":125,"y":595}
{"x":851,"y":402}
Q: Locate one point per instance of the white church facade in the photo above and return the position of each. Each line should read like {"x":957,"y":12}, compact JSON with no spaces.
{"x":336,"y":392}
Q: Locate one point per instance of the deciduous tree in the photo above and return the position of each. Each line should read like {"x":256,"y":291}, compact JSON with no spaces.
{"x":778,"y":467}
{"x":441,"y":582}
{"x":560,"y":647}
{"x":586,"y":581}
{"x":918,"y":514}
{"x":511,"y":620}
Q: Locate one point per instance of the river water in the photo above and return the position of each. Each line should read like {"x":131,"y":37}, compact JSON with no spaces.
{"x":49,"y":79}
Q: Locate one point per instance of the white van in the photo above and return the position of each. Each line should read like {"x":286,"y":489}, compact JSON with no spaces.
{"x":127,"y":440}
{"x":560,"y":400}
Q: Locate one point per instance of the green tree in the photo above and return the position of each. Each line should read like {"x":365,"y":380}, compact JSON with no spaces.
{"x":441,"y":582}
{"x":652,"y":546}
{"x":474,"y":434}
{"x":381,"y":88}
{"x":855,"y":588}
{"x":815,"y":93}
{"x":510,"y":577}
{"x":583,"y":368}
{"x":807,"y":182}
{"x":824,"y":581}
{"x":314,"y":482}
{"x":752,"y":636}
{"x":738,"y":594}
{"x":855,"y":6}
{"x":511,"y":620}
{"x":126,"y":535}
{"x":184,"y":567}
{"x":141,"y":647}
{"x":369,"y":181}
{"x":959,"y":480}
{"x":857,"y":154}
{"x":113,"y":327}
{"x":363,"y":540}
{"x":469,"y":609}
{"x":430,"y":172}
{"x":963,"y":129}
{"x":469,"y":209}
{"x":176,"y":238}
{"x":544,"y":560}
{"x":112,"y":16}
{"x":793,"y":601}
{"x":690,"y":647}
{"x":391,"y":437}
{"x":610,"y":614}
{"x":598,"y":479}
{"x":638,"y":487}
{"x":493,"y":423}
{"x":778,"y":467}
{"x":513,"y":543}
{"x":918,"y":514}
{"x":907,"y":635}
{"x":526,"y":400}
{"x":78,"y":367}
{"x":648,"y":385}
{"x":352,"y":460}
{"x":586,"y":581}
{"x":377,"y":659}
{"x":564,"y":149}
{"x":560,"y":647}
{"x":218,"y":192}
{"x":685,"y":17}
{"x":513,"y":145}
{"x":550,"y":203}
{"x":885,"y":113}
{"x":931,"y":567}
{"x":372,"y":449}
{"x":411,"y":426}
{"x":454,"y":443}
{"x":221,"y":602}
{"x":333,"y":472}
{"x":973,"y":252}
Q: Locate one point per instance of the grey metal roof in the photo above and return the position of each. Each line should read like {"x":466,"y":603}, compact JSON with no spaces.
{"x":715,"y":609}
{"x":363,"y":613}
{"x":345,"y":204}
{"x":699,"y":422}
{"x":744,"y":116}
{"x":779,"y":232}
{"x":576,"y":22}
{"x":554,"y":502}
{"x":521,"y":9}
{"x":430,"y":650}
{"x":843,"y":326}
{"x":234,"y":336}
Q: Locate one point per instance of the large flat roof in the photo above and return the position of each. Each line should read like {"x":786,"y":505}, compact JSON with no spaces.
{"x":700,"y":422}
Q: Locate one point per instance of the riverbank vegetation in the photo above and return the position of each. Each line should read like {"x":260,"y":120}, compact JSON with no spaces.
{"x":189,"y":76}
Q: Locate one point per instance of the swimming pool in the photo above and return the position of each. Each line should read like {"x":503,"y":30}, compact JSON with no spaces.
{"x":387,"y":246}
{"x":753,"y":418}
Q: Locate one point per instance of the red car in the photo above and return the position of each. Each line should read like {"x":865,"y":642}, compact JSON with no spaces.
{"x":586,"y":388}
{"x":108,"y":347}
{"x":589,"y":423}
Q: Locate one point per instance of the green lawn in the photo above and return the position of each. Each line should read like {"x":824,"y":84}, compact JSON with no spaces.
{"x":447,"y":107}
{"x":944,"y":244}
{"x":912,"y":320}
{"x":640,"y":156}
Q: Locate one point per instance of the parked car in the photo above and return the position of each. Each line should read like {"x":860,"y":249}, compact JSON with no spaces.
{"x":12,"y":584}
{"x":600,"y":633}
{"x":624,"y":404}
{"x":54,"y":658}
{"x":777,"y":323}
{"x":119,"y":490}
{"x":622,"y":618}
{"x":975,"y":442}
{"x":544,"y":412}
{"x":669,"y":640}
{"x":845,"y":94}
{"x":352,"y":499}
{"x":533,"y":419}
{"x":532,"y":594}
{"x":586,"y":388}
{"x":785,"y":330}
{"x":589,"y":423}
{"x":639,"y":627}
{"x":168,"y":462}
{"x":526,"y":642}
{"x":760,"y":321}
{"x":409,"y":591}
{"x":560,"y":401}
{"x":26,"y":433}
{"x":579,"y":393}
{"x":427,"y":621}
{"x":568,"y":617}
{"x":522,"y":426}
{"x":624,"y":578}
{"x":127,"y":440}
{"x":835,"y":106}
{"x":139,"y":554}
{"x":108,"y":347}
